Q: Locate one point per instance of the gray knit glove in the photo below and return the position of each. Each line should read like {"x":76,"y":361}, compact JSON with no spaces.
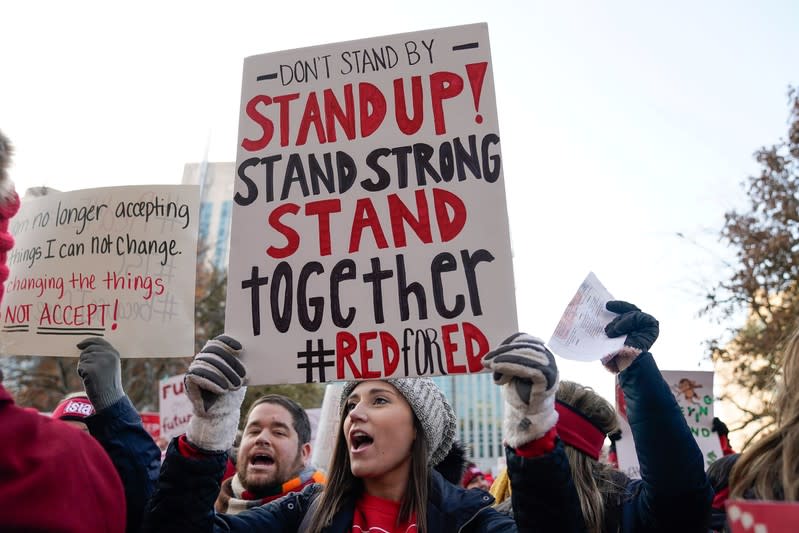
{"x":215,"y":385}
{"x":528,"y":374}
{"x":100,"y":370}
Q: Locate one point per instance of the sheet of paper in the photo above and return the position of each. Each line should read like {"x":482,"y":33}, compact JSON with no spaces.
{"x":580,"y":334}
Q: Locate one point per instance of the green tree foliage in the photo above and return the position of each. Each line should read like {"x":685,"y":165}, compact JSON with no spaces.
{"x":764,"y":280}
{"x":308,"y":395}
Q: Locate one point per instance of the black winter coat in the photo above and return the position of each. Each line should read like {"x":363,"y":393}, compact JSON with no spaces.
{"x":542,"y":487}
{"x":673,"y":493}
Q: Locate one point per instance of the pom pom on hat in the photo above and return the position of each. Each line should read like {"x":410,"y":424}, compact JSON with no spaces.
{"x":431,"y":408}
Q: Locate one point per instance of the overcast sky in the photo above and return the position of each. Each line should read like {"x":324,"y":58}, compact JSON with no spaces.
{"x":622,"y":123}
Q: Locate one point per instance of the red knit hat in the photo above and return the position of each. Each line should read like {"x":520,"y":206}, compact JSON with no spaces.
{"x":9,"y":205}
{"x":74,"y":407}
{"x":471,"y":473}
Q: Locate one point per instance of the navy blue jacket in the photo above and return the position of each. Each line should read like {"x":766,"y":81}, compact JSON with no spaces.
{"x":187,"y":488}
{"x":119,"y":430}
{"x":673,"y":493}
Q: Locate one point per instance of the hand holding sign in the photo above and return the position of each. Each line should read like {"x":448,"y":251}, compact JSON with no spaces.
{"x":215,"y":385}
{"x":101,"y":372}
{"x":527,"y":370}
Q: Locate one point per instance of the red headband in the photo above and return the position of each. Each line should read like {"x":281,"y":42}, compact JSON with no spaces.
{"x":578,"y":431}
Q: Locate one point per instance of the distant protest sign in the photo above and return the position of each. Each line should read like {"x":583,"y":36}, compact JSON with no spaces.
{"x":752,"y":516}
{"x":151,"y":423}
{"x":369,"y":230}
{"x":116,"y":262}
{"x":174,"y":407}
{"x":693,"y":391}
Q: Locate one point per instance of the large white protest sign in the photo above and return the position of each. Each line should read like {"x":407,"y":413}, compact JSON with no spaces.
{"x":174,"y":407}
{"x":693,"y":391}
{"x":580,"y":333}
{"x":370,"y":232}
{"x":116,"y":262}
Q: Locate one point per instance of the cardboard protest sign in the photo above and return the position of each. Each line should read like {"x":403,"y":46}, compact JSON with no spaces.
{"x":369,"y":232}
{"x":151,"y":423}
{"x":748,"y":516}
{"x":693,"y":391}
{"x":174,"y":407}
{"x":116,"y":262}
{"x":580,"y":333}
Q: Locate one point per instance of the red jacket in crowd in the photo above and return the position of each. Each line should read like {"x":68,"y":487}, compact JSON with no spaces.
{"x":54,"y":477}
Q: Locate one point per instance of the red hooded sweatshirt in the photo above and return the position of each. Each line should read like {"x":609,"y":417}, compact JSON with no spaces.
{"x":54,"y":477}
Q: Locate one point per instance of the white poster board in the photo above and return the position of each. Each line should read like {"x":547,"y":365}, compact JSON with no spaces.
{"x":174,"y":407}
{"x":370,"y":231}
{"x":693,"y":391}
{"x":324,"y":441}
{"x":114,"y":262}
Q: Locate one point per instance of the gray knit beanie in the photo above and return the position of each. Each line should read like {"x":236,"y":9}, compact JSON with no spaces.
{"x":431,"y":408}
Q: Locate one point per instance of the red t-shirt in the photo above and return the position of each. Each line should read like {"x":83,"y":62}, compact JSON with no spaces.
{"x":376,"y":515}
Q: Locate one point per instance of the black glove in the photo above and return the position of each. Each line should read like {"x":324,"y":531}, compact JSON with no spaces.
{"x":641,"y":329}
{"x":720,"y":427}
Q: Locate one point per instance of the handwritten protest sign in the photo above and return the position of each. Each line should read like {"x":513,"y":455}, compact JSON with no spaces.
{"x":747,"y":516}
{"x":115,"y":262}
{"x":370,"y":231}
{"x":174,"y":407}
{"x":693,"y":391}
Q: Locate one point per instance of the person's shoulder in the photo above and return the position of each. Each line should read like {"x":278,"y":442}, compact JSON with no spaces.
{"x":491,"y":519}
{"x":76,"y":447}
{"x":449,"y":498}
{"x":66,"y":465}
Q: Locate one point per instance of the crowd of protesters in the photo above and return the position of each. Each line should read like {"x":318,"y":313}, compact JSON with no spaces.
{"x":395,"y":466}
